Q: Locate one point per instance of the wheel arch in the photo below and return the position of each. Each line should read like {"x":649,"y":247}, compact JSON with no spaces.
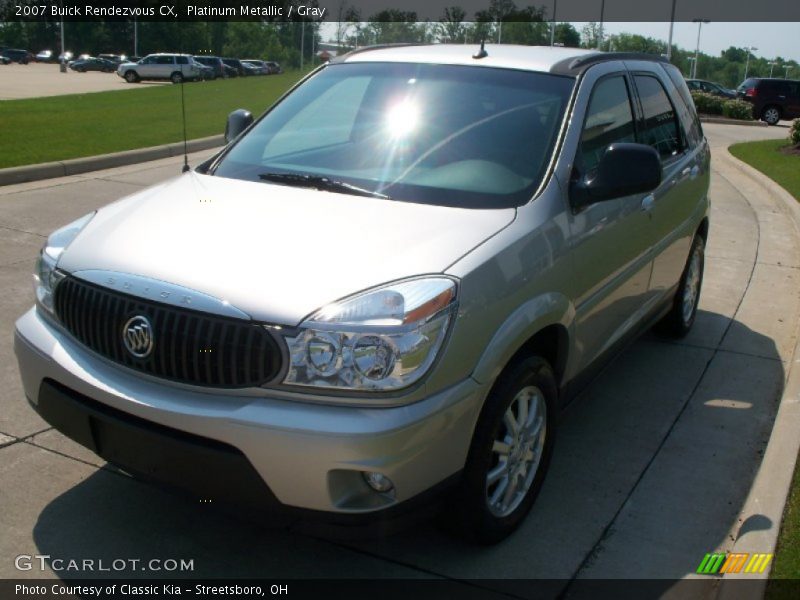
{"x":540,"y":326}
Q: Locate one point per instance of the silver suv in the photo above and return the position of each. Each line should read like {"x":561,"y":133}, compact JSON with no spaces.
{"x":380,"y":294}
{"x":173,"y":67}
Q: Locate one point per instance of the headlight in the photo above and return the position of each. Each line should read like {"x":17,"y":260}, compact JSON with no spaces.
{"x":45,"y":276}
{"x":384,"y":339}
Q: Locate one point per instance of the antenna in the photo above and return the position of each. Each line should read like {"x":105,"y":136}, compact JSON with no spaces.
{"x":183,"y":105}
{"x":183,"y":114}
{"x":482,"y":52}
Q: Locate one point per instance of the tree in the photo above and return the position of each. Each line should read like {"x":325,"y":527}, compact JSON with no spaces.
{"x":590,"y":35}
{"x":451,"y":26}
{"x":566,"y":34}
{"x":394,"y":26}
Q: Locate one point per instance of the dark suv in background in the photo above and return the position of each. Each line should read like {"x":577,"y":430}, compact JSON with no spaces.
{"x":772,"y":99}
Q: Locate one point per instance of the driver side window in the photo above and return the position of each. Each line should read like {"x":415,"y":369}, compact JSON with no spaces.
{"x":609,"y":120}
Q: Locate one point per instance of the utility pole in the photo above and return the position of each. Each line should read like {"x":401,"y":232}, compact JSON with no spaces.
{"x":135,"y":37}
{"x":747,"y":62}
{"x":302,"y":42}
{"x":697,"y":49}
{"x":553,"y":24}
{"x":600,"y":33}
{"x":671,"y":27}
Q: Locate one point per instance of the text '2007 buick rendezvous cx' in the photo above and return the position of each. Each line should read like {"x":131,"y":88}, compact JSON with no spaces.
{"x":381,"y":293}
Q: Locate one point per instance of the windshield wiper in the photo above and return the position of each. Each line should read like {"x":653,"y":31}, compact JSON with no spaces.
{"x":320,"y":182}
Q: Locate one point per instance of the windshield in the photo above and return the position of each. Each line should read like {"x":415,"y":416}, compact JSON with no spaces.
{"x":451,"y":135}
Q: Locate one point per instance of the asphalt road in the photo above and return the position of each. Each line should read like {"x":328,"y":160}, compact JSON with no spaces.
{"x":652,"y":464}
{"x":45,"y":79}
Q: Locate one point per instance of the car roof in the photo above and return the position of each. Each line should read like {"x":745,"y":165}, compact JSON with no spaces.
{"x":561,"y":60}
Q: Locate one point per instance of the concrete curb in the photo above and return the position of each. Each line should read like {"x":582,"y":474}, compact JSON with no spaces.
{"x":726,"y":121}
{"x":76,"y":166}
{"x":770,"y":490}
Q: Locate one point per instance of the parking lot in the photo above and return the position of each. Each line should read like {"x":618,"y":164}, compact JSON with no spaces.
{"x":45,"y":79}
{"x":652,"y":466}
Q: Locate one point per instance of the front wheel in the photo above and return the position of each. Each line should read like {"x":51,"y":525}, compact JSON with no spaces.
{"x":131,"y":77}
{"x":771,"y":115}
{"x":681,"y":317}
{"x":509,"y":454}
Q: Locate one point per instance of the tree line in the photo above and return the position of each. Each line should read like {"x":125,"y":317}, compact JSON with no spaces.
{"x":287,"y":41}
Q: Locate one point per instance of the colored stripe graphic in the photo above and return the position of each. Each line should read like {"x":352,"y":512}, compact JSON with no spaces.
{"x":718,"y":563}
{"x":711,"y":563}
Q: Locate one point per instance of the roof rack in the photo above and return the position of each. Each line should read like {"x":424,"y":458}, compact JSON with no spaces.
{"x":574,"y":66}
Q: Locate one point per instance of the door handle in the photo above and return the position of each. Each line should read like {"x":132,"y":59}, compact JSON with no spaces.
{"x":648,"y":202}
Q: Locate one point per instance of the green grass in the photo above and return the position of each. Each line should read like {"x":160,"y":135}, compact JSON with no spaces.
{"x":787,"y":554}
{"x":766,"y":156}
{"x":785,"y":170}
{"x":39,"y":130}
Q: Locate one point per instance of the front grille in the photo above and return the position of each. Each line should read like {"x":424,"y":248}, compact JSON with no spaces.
{"x":189,"y":346}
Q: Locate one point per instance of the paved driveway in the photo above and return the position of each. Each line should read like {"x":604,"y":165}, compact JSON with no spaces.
{"x":652,"y":465}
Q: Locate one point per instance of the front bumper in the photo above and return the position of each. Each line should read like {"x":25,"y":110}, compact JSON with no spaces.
{"x":307,"y":456}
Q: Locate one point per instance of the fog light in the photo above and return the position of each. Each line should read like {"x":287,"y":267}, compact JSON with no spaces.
{"x":378,"y":481}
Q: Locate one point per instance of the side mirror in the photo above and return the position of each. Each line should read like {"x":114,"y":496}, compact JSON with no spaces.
{"x":238,"y":121}
{"x":623,"y":170}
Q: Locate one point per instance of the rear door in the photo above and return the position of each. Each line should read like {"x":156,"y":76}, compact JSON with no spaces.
{"x":665,"y":118}
{"x":792,"y":100}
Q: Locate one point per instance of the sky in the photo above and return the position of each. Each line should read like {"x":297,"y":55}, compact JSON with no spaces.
{"x":771,"y":39}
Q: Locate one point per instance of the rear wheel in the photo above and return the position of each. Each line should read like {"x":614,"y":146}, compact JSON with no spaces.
{"x":131,"y":77}
{"x":771,"y":115}
{"x":680,"y":319}
{"x":176,"y":77}
{"x":509,"y":454}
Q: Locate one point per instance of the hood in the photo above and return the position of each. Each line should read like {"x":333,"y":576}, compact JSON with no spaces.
{"x":275,"y":252}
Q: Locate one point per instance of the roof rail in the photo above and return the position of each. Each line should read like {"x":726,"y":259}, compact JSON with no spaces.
{"x":343,"y":57}
{"x":574,"y":66}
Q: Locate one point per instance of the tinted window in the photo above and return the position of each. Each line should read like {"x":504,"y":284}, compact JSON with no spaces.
{"x":684,"y":103}
{"x":660,"y":127}
{"x":439,"y":134}
{"x":164,"y":60}
{"x":182,"y":60}
{"x":609,"y":119}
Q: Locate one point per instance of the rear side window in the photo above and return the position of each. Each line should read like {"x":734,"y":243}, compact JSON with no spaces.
{"x":164,"y":60}
{"x":684,"y":104}
{"x":182,"y":60}
{"x":609,"y":119}
{"x":660,"y":128}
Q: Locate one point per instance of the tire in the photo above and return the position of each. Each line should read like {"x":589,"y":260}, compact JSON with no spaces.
{"x":680,"y":318}
{"x":131,"y":77}
{"x":481,"y":508}
{"x":176,"y":77}
{"x":771,"y":114}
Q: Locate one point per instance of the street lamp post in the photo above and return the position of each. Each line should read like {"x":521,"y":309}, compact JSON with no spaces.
{"x":692,"y":60}
{"x":600,"y":33}
{"x":553,"y":24}
{"x":786,"y":69}
{"x":771,"y":64}
{"x":747,"y":62}
{"x":697,"y":48}
{"x":63,"y":66}
{"x":302,"y":42}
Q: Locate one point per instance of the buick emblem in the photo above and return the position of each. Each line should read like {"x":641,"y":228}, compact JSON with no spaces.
{"x":137,"y":335}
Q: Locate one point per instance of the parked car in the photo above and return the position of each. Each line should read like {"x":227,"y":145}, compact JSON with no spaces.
{"x":260,"y":66}
{"x":92,"y":64}
{"x":206,"y":73}
{"x":174,"y":67}
{"x":236,"y":64}
{"x":65,"y":57}
{"x":709,"y":87}
{"x":251,"y":70}
{"x":4,"y":60}
{"x":22,"y":57}
{"x":274,"y":68}
{"x":392,"y":296}
{"x":214,"y":62}
{"x":772,"y":99}
{"x":117,"y":59}
{"x":45,"y":56}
